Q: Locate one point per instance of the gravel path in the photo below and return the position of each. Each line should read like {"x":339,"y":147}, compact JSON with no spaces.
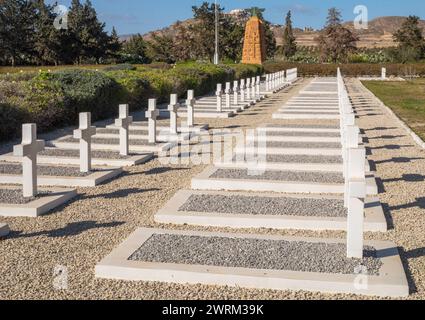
{"x":242,"y":174}
{"x":307,"y":125}
{"x":254,"y":254}
{"x":303,"y":134}
{"x":76,"y":153}
{"x":303,"y":159}
{"x":265,"y":205}
{"x":301,"y":145}
{"x":12,"y":168}
{"x":11,"y":196}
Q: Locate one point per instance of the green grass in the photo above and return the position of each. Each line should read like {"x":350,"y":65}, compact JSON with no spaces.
{"x":406,"y":99}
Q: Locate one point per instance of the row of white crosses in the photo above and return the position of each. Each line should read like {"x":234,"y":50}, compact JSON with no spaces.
{"x":291,"y":75}
{"x":153,"y":113}
{"x":248,"y":90}
{"x":354,"y":157}
{"x":275,"y":81}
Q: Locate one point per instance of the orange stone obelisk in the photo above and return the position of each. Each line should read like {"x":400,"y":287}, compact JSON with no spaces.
{"x":254,"y":46}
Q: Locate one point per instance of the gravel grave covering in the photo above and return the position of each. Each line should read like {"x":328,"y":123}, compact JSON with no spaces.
{"x":12,"y":196}
{"x":256,"y":205}
{"x":275,"y":175}
{"x":76,"y":153}
{"x":299,"y":145}
{"x":112,"y":141}
{"x":307,"y":126}
{"x":283,"y":158}
{"x":302,"y":134}
{"x":309,"y":112}
{"x":11,"y":168}
{"x":254,"y":254}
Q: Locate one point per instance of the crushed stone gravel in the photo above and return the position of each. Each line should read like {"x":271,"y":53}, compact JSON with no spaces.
{"x":256,"y":205}
{"x":275,"y":175}
{"x":254,"y":254}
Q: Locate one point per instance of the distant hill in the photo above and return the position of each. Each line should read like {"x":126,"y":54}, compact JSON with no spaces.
{"x":379,"y":34}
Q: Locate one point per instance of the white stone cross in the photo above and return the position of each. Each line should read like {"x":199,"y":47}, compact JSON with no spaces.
{"x":248,"y":89}
{"x":84,"y":134}
{"x":123,"y":123}
{"x":242,"y":90}
{"x":28,"y":150}
{"x":219,"y":93}
{"x":152,"y":114}
{"x":173,"y":108}
{"x":384,"y":73}
{"x":236,"y":92}
{"x":253,"y":97}
{"x":257,"y":86}
{"x":190,"y":104}
{"x":356,"y":200}
{"x":228,"y":91}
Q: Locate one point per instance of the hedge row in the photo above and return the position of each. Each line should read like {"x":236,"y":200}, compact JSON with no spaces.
{"x":349,"y":70}
{"x":54,"y":99}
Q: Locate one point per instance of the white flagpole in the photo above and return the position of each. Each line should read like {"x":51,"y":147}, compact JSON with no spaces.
{"x":216,"y":55}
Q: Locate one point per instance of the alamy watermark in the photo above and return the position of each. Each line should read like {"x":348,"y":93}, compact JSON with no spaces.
{"x":60,"y":277}
{"x":220,"y":146}
{"x":361,"y":21}
{"x":61,"y":20}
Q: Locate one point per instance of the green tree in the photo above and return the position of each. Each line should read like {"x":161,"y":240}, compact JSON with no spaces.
{"x":203,"y":30}
{"x":183,"y":41}
{"x":134,"y":50}
{"x":335,"y":41}
{"x":47,"y":40}
{"x":160,"y":48}
{"x":289,"y":44}
{"x":410,"y":40}
{"x":17,"y":30}
{"x":114,"y":44}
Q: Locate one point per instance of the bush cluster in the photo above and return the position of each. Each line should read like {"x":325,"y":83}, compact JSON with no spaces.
{"x":54,"y":99}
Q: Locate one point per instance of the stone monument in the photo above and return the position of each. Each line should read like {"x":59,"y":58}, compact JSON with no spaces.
{"x":254,"y":49}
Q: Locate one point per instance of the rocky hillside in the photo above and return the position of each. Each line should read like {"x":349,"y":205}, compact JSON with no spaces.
{"x":379,"y":34}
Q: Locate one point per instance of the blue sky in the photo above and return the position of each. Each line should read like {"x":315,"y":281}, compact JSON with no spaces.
{"x":141,"y":16}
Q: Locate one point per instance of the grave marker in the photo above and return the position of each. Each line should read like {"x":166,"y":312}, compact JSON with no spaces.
{"x":172,"y":108}
{"x":190,"y":104}
{"x":236,"y":92}
{"x":152,"y":114}
{"x":219,"y":93}
{"x":228,"y":91}
{"x":84,"y":134}
{"x":28,"y":150}
{"x":242,"y":90}
{"x":123,"y":122}
{"x":356,"y":198}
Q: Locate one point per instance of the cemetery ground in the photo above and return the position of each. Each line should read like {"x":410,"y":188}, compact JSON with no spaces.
{"x":80,"y":234}
{"x":405,"y":98}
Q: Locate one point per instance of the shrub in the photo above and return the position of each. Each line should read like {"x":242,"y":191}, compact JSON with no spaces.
{"x":124,"y":66}
{"x":11,"y":120}
{"x":88,"y":91}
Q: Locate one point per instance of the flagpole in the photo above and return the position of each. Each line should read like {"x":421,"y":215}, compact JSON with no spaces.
{"x":216,"y":55}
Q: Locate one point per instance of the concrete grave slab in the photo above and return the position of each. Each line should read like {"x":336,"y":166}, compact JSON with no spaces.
{"x":47,"y":200}
{"x":136,"y":146}
{"x":127,"y":263}
{"x":71,"y":157}
{"x":314,"y":182}
{"x":48,"y":178}
{"x":259,"y":210}
{"x":305,"y":116}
